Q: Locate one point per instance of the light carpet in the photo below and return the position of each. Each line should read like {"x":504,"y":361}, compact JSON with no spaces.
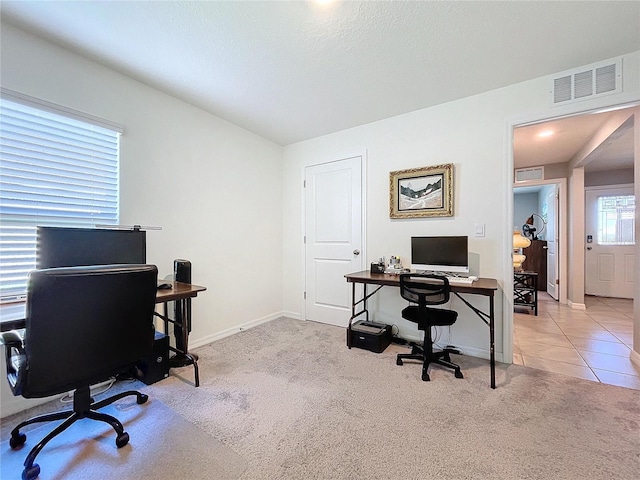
{"x":294,"y":402}
{"x":291,"y":399}
{"x":162,"y":445}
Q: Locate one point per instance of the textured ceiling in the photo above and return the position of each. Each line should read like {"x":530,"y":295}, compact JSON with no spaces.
{"x":294,"y":70}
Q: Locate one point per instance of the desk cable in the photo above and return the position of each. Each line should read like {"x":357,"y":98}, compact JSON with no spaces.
{"x":106,"y":386}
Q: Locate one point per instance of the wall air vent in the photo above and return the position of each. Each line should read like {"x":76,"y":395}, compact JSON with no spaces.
{"x":528,"y":174}
{"x":592,"y":81}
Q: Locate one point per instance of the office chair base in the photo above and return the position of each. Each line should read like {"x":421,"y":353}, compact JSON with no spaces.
{"x":83,"y":407}
{"x":441,"y":358}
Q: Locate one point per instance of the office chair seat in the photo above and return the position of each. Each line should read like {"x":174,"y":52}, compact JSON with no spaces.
{"x":424,"y":290}
{"x":437,"y":316}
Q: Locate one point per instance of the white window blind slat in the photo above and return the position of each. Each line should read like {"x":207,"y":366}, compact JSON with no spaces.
{"x":55,"y":171}
{"x":55,"y":148}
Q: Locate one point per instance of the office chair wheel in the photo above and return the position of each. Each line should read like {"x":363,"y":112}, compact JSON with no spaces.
{"x":31,"y":473}
{"x":458,"y":374}
{"x":399,"y":361}
{"x":122,"y":439}
{"x":17,"y":440}
{"x":142,"y":398}
{"x":425,"y":376}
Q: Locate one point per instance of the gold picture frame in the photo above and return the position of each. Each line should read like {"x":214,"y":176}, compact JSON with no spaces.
{"x":421,"y":192}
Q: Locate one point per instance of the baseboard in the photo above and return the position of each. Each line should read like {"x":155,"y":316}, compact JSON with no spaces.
{"x":576,"y":306}
{"x":469,"y":351}
{"x":635,"y":357}
{"x":480,"y":353}
{"x":194,"y":343}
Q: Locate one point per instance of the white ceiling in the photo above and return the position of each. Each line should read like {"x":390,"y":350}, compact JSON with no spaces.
{"x":295,"y":70}
{"x":569,"y":136}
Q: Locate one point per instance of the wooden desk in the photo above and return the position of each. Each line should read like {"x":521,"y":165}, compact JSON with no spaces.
{"x":483,"y":286}
{"x":12,"y":317}
{"x":180,"y":293}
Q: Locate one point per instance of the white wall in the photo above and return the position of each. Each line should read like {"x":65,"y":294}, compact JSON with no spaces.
{"x":608,"y":177}
{"x":214,"y":188}
{"x":524,"y":204}
{"x":475,"y":134}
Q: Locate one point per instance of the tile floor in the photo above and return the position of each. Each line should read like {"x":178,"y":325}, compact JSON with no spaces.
{"x":592,"y":344}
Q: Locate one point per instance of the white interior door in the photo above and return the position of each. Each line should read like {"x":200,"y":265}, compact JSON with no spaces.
{"x":552,"y":242}
{"x":609,"y":256}
{"x":333,"y":238}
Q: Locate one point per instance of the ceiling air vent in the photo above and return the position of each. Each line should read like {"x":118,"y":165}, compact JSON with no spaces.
{"x":594,"y":80}
{"x":528,"y":174}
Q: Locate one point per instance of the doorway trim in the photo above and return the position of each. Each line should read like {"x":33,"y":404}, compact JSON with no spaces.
{"x":563,"y":242}
{"x":529,"y":118}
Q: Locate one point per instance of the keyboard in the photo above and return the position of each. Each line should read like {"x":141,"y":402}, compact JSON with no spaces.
{"x":461,"y":280}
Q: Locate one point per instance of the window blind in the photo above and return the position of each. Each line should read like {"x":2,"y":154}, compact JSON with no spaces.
{"x":54,"y":171}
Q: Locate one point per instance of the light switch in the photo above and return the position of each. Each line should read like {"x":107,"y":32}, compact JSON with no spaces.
{"x":479,"y":229}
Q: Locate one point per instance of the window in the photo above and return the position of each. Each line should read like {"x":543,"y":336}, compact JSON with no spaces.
{"x":616,"y":220}
{"x":56,"y":168}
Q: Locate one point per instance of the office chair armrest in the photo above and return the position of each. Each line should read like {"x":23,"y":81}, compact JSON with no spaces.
{"x":16,"y":359}
{"x":12,"y":338}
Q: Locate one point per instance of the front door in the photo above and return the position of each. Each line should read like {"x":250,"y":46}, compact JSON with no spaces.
{"x":609,"y":255}
{"x":333,"y":238}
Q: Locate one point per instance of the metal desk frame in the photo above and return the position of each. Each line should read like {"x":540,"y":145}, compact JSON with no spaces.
{"x":483,"y":286}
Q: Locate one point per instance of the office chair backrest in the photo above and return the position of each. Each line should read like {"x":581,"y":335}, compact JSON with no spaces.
{"x":424,"y":289}
{"x":84,"y":324}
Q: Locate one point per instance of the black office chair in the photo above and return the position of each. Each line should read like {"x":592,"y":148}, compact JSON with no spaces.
{"x":424,"y":290}
{"x":83,"y":326}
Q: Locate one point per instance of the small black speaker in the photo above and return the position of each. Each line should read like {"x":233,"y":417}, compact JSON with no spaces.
{"x":182,"y":270}
{"x":155,"y":367}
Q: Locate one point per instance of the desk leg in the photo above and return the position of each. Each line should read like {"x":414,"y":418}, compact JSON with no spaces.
{"x":490,"y":321}
{"x":182,"y":358}
{"x":353,"y":313}
{"x":166,"y":318}
{"x":492,"y":342}
{"x":353,"y":309}
{"x":354,"y":303}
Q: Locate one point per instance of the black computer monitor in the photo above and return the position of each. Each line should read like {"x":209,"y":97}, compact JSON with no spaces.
{"x":70,"y":247}
{"x":440,"y":254}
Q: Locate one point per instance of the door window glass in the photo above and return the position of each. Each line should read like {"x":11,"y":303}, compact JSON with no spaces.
{"x":616,"y":220}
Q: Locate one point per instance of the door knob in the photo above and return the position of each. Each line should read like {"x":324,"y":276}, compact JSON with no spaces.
{"x":356,"y":252}
{"x":589,"y":248}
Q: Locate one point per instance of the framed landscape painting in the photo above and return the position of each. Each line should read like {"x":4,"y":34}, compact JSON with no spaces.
{"x":421,"y":192}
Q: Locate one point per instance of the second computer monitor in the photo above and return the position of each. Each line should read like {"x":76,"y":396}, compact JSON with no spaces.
{"x":71,"y":247}
{"x":440,"y":254}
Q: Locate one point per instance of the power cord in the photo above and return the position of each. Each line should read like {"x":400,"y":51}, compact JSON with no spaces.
{"x":68,"y":397}
{"x":394,"y":336}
